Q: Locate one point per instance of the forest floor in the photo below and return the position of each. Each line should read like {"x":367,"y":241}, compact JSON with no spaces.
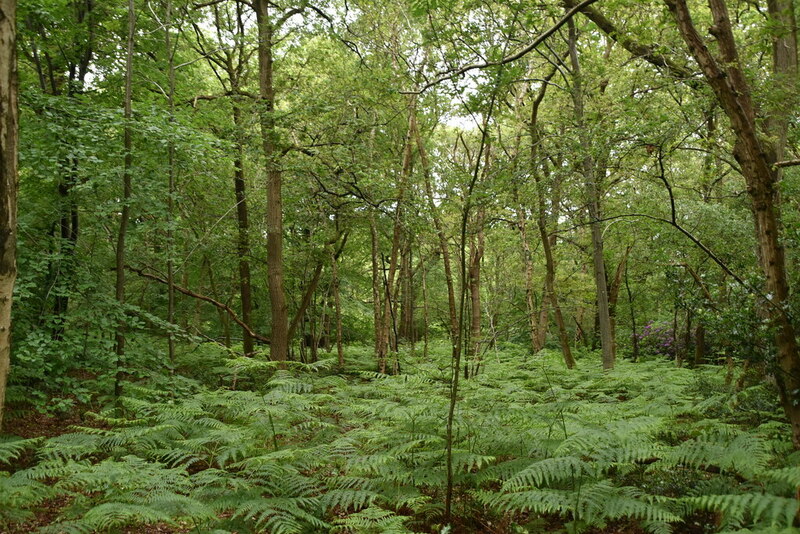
{"x":647,"y":448}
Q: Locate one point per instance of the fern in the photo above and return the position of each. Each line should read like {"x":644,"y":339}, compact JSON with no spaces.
{"x":11,"y":448}
{"x":372,"y":521}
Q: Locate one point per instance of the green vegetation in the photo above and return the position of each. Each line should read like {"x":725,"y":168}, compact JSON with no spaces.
{"x":371,"y":266}
{"x":311,"y":450}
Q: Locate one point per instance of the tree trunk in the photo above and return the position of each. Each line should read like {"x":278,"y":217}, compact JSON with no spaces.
{"x":756,"y":155}
{"x":387,"y":314}
{"x":337,"y":304}
{"x":126,"y":196}
{"x":591,"y":182}
{"x":476,"y":256}
{"x":279,"y":338}
{"x":425,"y":314}
{"x":376,"y":286}
{"x":444,"y":248}
{"x":243,"y":236}
{"x":613,"y":295}
{"x":634,"y":335}
{"x":170,"y":188}
{"x":699,"y":344}
{"x":548,"y":241}
{"x":8,"y":184}
{"x":406,"y":330}
{"x":527,"y":261}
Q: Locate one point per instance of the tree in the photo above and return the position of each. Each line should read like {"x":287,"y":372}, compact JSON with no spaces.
{"x":8,"y":183}
{"x":760,"y":157}
{"x":127,"y":187}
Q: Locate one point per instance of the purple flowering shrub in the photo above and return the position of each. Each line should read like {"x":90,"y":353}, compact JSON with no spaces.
{"x":658,"y":339}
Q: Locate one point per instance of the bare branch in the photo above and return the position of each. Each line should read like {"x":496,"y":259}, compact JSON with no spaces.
{"x":224,"y":307}
{"x":508,"y":59}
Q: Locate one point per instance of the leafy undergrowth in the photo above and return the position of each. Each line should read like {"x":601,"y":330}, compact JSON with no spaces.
{"x":645,"y":448}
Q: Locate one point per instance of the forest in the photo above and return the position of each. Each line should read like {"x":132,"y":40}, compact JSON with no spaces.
{"x":419,"y":266}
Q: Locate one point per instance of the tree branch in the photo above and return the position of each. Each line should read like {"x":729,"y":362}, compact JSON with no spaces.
{"x":205,"y":298}
{"x":508,"y":59}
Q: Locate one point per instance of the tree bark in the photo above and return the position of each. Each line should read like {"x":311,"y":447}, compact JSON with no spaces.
{"x":442,"y":237}
{"x":634,"y":335}
{"x":8,"y":184}
{"x":337,"y":304}
{"x":527,"y":261}
{"x":476,"y":256}
{"x":279,"y":347}
{"x":243,"y":235}
{"x":119,"y":348}
{"x":613,"y":295}
{"x":756,"y":156}
{"x":376,"y":286}
{"x":388,"y":311}
{"x":591,"y":183}
{"x":548,"y":241}
{"x":171,"y":186}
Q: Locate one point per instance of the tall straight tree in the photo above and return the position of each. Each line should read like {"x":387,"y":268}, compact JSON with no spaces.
{"x":279,"y":339}
{"x":126,"y":196}
{"x":8,"y":183}
{"x":233,"y":62}
{"x":591,"y":177}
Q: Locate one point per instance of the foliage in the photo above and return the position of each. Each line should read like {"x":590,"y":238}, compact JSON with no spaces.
{"x":361,"y":452}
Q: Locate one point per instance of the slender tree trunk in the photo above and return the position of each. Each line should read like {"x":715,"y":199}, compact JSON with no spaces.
{"x":552,"y":296}
{"x":548,"y":241}
{"x":476,"y":256}
{"x":527,"y":261}
{"x":171,"y":187}
{"x":126,"y":196}
{"x":591,"y":180}
{"x":444,"y":248}
{"x":243,"y":236}
{"x":376,"y":287}
{"x":634,"y":334}
{"x":406,"y":330}
{"x":337,"y":304}
{"x":613,"y":295}
{"x":224,"y":319}
{"x":425,"y":314}
{"x":387,"y":315}
{"x":8,"y":184}
{"x":279,"y":338}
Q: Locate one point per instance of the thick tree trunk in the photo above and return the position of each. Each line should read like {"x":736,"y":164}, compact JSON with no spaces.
{"x":8,"y":184}
{"x":757,"y":155}
{"x":279,"y":338}
{"x":591,"y":183}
